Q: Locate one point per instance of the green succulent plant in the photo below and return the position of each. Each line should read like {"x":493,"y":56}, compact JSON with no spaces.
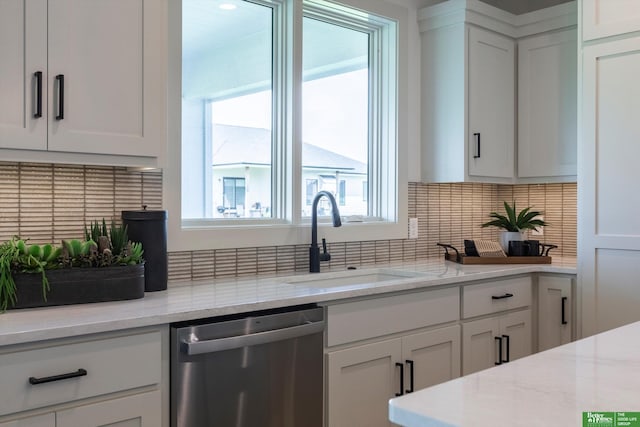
{"x":17,"y":256}
{"x":133,"y":254}
{"x":119,"y":238}
{"x":102,"y":247}
{"x":95,"y":230}
{"x":523,"y":220}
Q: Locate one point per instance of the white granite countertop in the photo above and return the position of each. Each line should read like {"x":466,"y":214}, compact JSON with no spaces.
{"x":194,"y":300}
{"x":551,"y":388}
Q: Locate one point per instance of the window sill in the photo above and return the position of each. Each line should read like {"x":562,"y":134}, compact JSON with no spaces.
{"x":234,"y":236}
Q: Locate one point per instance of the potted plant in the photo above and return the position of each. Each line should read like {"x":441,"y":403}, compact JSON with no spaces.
{"x":514,"y":225}
{"x":105,"y":266}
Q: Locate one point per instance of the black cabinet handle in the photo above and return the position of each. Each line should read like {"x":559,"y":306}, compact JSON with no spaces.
{"x":477,"y":136}
{"x":499,"y":362}
{"x":38,"y":77}
{"x":401,"y":366}
{"x":60,"y":80}
{"x":410,"y":363}
{"x":78,"y":373}
{"x":507,"y":295}
{"x":506,"y":338}
{"x":564,"y":314}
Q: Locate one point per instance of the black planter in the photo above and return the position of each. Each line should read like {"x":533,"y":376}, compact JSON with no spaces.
{"x":80,"y":286}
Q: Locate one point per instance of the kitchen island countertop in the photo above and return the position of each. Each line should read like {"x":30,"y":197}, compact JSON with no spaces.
{"x":551,"y":388}
{"x":203,"y":299}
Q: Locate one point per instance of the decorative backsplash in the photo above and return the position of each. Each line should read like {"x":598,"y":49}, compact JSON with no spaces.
{"x":47,"y":203}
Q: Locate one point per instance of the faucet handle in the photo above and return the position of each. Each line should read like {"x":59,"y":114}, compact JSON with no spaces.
{"x":325,"y":256}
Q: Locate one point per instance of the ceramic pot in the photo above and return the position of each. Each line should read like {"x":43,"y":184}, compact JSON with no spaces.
{"x":507,"y":236}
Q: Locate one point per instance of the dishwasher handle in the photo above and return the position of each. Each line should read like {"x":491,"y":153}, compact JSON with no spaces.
{"x":201,"y":347}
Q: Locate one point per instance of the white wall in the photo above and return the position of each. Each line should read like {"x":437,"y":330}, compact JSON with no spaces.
{"x":413,"y":131}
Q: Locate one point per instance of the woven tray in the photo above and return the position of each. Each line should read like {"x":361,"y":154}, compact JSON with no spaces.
{"x":480,"y":260}
{"x":460,"y":258}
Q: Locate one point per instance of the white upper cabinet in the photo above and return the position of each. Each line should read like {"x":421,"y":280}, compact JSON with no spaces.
{"x":467,"y":105}
{"x":604,"y":18}
{"x":547,"y":106}
{"x":23,"y":70}
{"x":103,"y":84}
{"x":469,"y":99}
{"x":491,"y":97}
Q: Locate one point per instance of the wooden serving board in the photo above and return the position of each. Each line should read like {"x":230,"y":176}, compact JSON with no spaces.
{"x":478,"y":260}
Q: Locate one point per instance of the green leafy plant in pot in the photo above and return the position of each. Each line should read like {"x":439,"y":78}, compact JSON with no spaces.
{"x":514,"y":223}
{"x":77,"y":271}
{"x":18,"y":257}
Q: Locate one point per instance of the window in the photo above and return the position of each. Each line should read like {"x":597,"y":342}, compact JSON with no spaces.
{"x":335,"y":105}
{"x":280,"y":99}
{"x":227,"y":111}
{"x":233,"y":194}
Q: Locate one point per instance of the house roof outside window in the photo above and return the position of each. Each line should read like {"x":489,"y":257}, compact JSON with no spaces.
{"x":246,"y":146}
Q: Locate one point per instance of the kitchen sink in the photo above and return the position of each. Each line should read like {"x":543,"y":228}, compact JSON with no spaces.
{"x":353,"y":278}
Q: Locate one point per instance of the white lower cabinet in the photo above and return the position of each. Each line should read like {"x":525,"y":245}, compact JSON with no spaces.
{"x":46,"y":420}
{"x":360,"y":382}
{"x":109,"y":380}
{"x":555,"y":311}
{"x":495,"y":340}
{"x":141,"y":410}
{"x":361,"y":379}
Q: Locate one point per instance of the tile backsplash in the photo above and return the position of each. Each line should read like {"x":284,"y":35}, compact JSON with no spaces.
{"x":47,"y":203}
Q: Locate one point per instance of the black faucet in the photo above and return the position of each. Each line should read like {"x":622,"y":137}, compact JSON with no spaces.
{"x":314,"y":251}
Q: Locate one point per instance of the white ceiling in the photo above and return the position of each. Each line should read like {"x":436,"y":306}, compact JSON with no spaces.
{"x":228,"y":52}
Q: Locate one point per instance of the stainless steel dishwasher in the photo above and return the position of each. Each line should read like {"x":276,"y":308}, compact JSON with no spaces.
{"x":263,"y":369}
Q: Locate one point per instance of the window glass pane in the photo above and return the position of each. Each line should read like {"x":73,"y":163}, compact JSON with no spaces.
{"x":335,"y":112}
{"x":227,"y":49}
{"x":312,"y":189}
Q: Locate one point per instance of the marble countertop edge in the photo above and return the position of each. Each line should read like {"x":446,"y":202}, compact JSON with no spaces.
{"x":189,"y":300}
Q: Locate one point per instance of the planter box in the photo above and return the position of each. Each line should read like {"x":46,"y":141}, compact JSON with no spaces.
{"x":80,"y":286}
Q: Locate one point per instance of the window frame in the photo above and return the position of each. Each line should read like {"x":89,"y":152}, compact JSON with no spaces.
{"x":288,"y":226}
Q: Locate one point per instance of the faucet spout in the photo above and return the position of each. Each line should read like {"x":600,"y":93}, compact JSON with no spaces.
{"x":314,"y":251}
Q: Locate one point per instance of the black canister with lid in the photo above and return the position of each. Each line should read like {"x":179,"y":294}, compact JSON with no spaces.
{"x":150,"y":229}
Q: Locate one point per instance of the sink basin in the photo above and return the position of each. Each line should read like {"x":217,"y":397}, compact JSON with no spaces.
{"x":352,"y":278}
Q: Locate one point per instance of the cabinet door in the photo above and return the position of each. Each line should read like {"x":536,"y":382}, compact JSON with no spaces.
{"x":554,"y":311}
{"x":515,"y":329}
{"x":142,"y":410}
{"x":110,"y":55}
{"x":604,"y":18}
{"x":46,"y":420}
{"x":483,"y":339}
{"x":547,"y":105}
{"x":491,"y":97}
{"x":608,"y":227}
{"x":479,"y":344}
{"x":435,"y":356}
{"x":361,"y":380}
{"x":23,"y":49}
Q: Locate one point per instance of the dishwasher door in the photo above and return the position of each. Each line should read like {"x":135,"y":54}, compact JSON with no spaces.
{"x":265,"y":369}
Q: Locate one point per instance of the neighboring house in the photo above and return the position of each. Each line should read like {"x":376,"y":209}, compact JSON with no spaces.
{"x":241,"y":175}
